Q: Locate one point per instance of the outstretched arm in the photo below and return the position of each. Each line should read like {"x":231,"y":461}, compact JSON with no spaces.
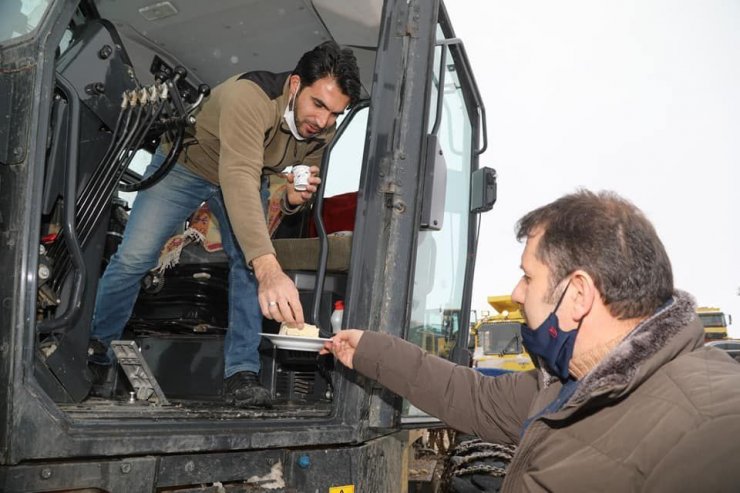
{"x":493,"y":408}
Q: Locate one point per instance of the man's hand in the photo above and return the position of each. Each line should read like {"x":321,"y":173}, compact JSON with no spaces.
{"x":278,"y":296}
{"x":297,"y":198}
{"x":343,"y":345}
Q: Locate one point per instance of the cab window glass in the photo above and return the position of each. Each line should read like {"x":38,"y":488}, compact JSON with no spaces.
{"x":20,"y":17}
{"x":441,"y":257}
{"x":345,"y":162}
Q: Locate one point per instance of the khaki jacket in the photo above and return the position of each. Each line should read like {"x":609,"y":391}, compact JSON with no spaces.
{"x":241,"y":135}
{"x":660,"y":413}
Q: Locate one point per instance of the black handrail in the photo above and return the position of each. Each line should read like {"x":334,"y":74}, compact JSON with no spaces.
{"x":318,"y":209}
{"x":478,"y":100}
{"x":69,"y":232}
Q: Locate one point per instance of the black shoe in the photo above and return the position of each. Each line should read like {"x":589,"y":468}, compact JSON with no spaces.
{"x":102,"y":380}
{"x":97,"y":352}
{"x":99,"y":369}
{"x":98,"y":373}
{"x":243,"y":389}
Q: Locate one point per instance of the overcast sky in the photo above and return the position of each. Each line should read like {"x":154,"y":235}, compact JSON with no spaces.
{"x":637,"y":96}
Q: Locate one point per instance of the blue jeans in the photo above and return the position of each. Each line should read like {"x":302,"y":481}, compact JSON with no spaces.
{"x":158,"y":213}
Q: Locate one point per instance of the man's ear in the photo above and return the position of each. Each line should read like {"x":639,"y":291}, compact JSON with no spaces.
{"x":585,"y":293}
{"x":295,"y":82}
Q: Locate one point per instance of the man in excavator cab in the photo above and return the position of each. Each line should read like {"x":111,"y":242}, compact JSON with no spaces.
{"x":252,"y":126}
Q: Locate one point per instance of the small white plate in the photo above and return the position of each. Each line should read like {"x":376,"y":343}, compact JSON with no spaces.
{"x":296,"y":343}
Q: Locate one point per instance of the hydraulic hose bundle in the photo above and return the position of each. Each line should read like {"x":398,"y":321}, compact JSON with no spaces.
{"x":158,"y":112}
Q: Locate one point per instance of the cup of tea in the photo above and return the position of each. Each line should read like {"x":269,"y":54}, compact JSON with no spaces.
{"x":301,"y":173}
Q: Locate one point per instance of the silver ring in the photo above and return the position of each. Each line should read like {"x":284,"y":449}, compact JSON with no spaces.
{"x":271,"y":303}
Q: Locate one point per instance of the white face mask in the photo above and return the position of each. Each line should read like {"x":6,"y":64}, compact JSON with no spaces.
{"x":289,"y":117}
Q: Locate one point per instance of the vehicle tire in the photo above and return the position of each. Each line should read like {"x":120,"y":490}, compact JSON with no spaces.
{"x":473,"y":466}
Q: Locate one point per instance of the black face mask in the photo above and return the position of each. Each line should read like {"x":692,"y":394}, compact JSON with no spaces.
{"x":550,"y":343}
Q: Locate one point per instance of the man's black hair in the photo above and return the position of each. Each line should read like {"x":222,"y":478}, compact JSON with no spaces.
{"x":329,"y":60}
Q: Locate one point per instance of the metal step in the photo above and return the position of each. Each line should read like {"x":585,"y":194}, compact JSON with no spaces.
{"x":138,"y":373}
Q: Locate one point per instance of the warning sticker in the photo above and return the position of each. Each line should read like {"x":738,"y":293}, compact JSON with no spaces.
{"x":349,"y":488}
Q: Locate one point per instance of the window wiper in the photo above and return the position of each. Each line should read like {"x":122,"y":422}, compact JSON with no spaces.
{"x":508,"y":349}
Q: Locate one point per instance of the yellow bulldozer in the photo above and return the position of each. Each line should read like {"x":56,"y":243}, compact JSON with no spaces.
{"x":497,"y":339}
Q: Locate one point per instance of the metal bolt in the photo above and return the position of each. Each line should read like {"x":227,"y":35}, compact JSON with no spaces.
{"x":105,"y":52}
{"x":44,"y":272}
{"x":125,"y":468}
{"x":45,"y":473}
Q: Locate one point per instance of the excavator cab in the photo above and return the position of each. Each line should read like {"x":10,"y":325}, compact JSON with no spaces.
{"x":88,"y":90}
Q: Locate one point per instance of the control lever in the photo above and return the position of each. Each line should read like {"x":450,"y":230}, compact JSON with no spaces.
{"x":180,"y":72}
{"x":204,"y":90}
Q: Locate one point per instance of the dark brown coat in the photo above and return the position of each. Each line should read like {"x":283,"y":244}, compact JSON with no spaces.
{"x":660,"y":413}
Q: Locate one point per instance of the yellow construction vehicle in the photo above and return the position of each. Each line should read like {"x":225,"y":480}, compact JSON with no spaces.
{"x":498,"y":340}
{"x":715,"y":322}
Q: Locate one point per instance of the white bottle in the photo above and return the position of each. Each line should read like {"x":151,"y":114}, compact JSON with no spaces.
{"x":336,"y":316}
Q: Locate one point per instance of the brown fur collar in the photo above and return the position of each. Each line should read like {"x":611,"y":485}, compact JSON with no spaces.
{"x":654,"y":342}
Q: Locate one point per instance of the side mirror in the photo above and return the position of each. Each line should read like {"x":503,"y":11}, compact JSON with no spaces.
{"x":483,"y":190}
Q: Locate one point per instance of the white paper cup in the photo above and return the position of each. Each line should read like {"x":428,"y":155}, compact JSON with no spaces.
{"x":301,"y":172}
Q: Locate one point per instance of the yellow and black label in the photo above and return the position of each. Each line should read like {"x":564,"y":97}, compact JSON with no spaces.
{"x":348,"y":488}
